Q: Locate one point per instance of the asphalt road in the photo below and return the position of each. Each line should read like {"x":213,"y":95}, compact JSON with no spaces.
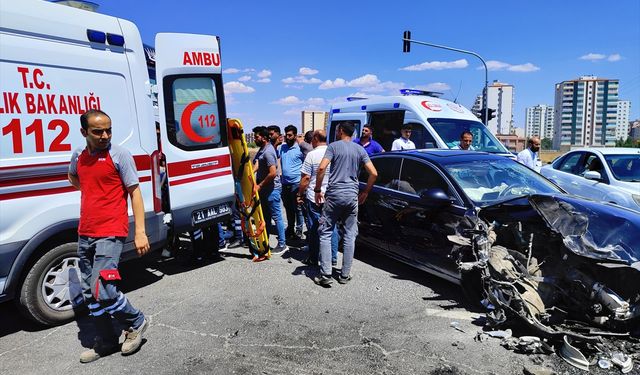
{"x":237,"y":317}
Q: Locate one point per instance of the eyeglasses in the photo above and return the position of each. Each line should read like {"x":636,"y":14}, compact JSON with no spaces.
{"x":100,"y":131}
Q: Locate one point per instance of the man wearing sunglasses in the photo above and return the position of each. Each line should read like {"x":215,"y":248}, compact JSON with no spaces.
{"x":106,"y":176}
{"x":403,"y":143}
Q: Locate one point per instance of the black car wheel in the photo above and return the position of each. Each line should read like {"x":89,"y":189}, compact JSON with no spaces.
{"x":45,"y":295}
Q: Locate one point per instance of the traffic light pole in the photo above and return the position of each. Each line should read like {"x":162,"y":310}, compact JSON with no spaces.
{"x":407,"y":39}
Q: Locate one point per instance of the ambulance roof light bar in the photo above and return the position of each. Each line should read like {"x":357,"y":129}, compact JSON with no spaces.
{"x":408,"y":92}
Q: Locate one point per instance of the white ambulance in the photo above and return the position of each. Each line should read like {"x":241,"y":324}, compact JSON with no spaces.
{"x":435,"y":122}
{"x":57,"y":62}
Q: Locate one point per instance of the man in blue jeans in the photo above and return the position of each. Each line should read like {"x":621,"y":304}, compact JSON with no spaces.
{"x":291,"y":159}
{"x":341,"y":199}
{"x":306,"y":197}
{"x":106,"y":176}
{"x":268,"y":185}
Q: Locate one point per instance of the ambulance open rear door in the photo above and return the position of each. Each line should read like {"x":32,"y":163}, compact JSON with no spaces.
{"x":192,"y":121}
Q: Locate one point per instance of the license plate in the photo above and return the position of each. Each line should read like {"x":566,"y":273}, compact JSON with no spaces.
{"x":205,"y":214}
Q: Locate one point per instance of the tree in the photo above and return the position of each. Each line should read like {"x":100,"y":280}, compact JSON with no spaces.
{"x":546,"y":144}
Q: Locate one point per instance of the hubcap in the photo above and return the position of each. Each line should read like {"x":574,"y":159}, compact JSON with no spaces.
{"x":61,"y":283}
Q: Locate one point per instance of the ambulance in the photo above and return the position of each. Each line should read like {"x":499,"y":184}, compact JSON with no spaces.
{"x":435,"y":122}
{"x":167,"y":108}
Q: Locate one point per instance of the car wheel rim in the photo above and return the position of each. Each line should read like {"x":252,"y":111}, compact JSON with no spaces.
{"x":57,"y":281}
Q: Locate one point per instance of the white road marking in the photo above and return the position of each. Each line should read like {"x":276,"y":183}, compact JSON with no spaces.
{"x":452,"y":314}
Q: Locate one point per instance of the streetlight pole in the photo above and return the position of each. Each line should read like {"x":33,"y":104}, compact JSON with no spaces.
{"x":407,"y":40}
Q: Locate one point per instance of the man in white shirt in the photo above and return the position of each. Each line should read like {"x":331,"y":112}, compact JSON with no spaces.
{"x":529,"y":156}
{"x":466,"y":139}
{"x":306,"y":197}
{"x":403,"y":143}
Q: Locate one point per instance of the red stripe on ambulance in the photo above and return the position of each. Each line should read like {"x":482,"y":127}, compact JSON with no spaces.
{"x":187,"y":167}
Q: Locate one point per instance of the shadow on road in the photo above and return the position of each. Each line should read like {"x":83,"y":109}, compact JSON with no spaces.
{"x":136,"y":273}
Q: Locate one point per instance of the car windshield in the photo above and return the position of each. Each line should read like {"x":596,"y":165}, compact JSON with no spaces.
{"x":624,"y":167}
{"x":487,"y":182}
{"x":451,"y":129}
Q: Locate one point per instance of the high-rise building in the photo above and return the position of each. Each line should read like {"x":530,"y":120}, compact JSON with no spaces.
{"x":539,"y":121}
{"x":500,"y":98}
{"x":585,"y":112}
{"x":314,"y":120}
{"x":622,"y":123}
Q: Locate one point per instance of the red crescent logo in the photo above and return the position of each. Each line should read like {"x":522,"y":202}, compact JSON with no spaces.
{"x":432,"y":106}
{"x":185,"y":121}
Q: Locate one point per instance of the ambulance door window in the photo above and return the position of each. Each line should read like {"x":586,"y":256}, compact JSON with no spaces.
{"x":386,"y":127}
{"x":195,"y":113}
{"x":334,"y":127}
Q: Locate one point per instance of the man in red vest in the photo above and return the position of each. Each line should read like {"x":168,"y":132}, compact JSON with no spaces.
{"x":106,"y":176}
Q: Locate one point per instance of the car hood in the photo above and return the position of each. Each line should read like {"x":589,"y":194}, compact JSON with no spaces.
{"x":592,"y":229}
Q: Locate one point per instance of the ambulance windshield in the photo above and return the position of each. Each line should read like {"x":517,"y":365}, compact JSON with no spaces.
{"x":451,"y":129}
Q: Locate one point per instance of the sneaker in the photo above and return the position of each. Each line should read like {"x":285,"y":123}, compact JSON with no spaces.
{"x":279,"y":250}
{"x":234,"y":244}
{"x":322,"y":280}
{"x":344,"y":280}
{"x":299,"y":233}
{"x":133,"y":338}
{"x":98,"y":351}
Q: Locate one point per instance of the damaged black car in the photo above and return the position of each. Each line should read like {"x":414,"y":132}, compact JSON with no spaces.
{"x":564,"y":266}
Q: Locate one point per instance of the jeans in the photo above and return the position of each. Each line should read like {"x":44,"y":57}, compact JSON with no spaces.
{"x":314,"y":212}
{"x":271,"y":209}
{"x":293,"y":211}
{"x":341,"y":208}
{"x":99,"y":257}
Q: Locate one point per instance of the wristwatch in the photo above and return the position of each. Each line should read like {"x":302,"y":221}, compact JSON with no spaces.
{"x":316,"y":190}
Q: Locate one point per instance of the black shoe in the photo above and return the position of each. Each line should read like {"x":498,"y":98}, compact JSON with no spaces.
{"x":344,"y":280}
{"x":234,"y":244}
{"x":299,"y":233}
{"x":279,"y":250}
{"x":310,"y":262}
{"x":322,"y":280}
{"x":334,"y":263}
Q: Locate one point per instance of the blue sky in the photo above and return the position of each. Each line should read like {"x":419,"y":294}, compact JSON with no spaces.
{"x":280,"y":57}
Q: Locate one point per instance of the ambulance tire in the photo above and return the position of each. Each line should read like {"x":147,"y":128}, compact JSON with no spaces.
{"x":32,"y":303}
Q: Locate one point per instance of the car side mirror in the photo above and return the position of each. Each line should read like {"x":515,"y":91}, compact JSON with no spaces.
{"x":435,"y":197}
{"x":592,"y":175}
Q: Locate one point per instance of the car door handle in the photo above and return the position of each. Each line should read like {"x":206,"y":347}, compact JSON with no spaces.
{"x":574,"y":183}
{"x":398,"y":205}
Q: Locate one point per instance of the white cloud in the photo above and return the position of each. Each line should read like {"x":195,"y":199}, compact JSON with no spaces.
{"x":264,"y":80}
{"x":231,"y":71}
{"x":366,"y":80}
{"x":264,"y":73}
{"x":249,"y":70}
{"x":296,"y":87}
{"x":307,"y":71}
{"x":437,"y":65}
{"x":289,"y":100}
{"x":235,"y":87}
{"x":523,"y":68}
{"x":614,"y":57}
{"x":316,"y":101}
{"x":366,"y":83}
{"x":494,"y":65}
{"x":294,"y":100}
{"x":435,"y":86}
{"x":301,"y":79}
{"x":329,"y":84}
{"x":593,"y":56}
{"x":297,"y":110}
{"x":244,"y":78}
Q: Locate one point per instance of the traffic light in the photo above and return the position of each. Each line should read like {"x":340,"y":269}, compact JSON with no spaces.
{"x":406,"y":45}
{"x":491,"y":114}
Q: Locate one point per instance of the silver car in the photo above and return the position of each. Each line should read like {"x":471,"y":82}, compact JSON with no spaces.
{"x":603,"y":174}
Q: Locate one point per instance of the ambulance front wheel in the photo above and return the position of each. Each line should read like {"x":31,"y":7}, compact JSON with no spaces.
{"x":49,"y":286}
